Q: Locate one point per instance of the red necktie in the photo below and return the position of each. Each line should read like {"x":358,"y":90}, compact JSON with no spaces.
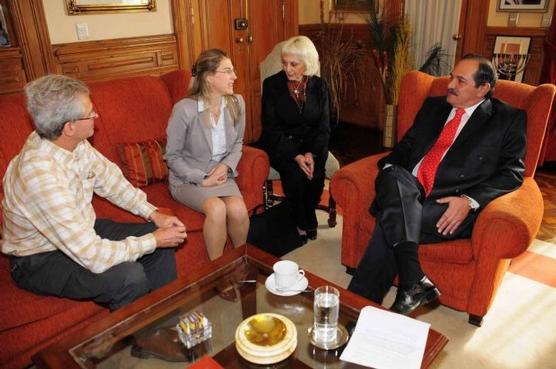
{"x":429,"y":165}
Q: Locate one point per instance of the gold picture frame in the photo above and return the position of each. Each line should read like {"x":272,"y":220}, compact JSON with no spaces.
{"x":77,"y":7}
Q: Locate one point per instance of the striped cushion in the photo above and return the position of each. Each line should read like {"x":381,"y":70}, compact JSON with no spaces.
{"x":143,"y":162}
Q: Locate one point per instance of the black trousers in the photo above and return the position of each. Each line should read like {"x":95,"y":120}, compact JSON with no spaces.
{"x":302,"y":193}
{"x":54,"y":273}
{"x":403,"y":217}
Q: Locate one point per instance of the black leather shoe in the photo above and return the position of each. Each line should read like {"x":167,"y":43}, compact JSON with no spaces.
{"x":421,"y":293}
{"x":312,"y":234}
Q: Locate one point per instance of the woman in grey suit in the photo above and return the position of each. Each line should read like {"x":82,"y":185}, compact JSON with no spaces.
{"x":205,"y":137}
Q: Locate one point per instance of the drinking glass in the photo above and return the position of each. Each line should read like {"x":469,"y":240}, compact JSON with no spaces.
{"x":326,"y":307}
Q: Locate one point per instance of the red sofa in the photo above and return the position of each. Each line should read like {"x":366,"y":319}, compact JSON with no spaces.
{"x":131,"y":110}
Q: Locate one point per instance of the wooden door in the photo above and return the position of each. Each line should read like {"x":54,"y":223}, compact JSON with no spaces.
{"x":270,"y":22}
{"x":267,"y":23}
{"x":472,"y":26}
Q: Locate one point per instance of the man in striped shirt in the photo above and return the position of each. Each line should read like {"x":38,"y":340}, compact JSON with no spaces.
{"x":56,"y":244}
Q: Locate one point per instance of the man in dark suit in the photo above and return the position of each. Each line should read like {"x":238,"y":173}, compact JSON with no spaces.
{"x":463,"y":151}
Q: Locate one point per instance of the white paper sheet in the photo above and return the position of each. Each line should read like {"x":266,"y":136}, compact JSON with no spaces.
{"x":384,"y":340}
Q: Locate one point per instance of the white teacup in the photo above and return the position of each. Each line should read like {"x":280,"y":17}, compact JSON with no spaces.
{"x":287,"y":274}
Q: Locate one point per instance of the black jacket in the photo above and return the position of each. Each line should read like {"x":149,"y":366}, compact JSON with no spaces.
{"x":288,"y":132}
{"x":485,"y":161}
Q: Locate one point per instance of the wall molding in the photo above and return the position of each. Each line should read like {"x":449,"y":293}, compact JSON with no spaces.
{"x":107,"y":59}
{"x":12,"y":74}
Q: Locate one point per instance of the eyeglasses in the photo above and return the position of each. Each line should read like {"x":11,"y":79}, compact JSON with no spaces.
{"x":227,"y":71}
{"x":93,"y":116}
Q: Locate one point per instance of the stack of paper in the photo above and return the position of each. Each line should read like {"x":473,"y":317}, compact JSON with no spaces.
{"x":384,"y":340}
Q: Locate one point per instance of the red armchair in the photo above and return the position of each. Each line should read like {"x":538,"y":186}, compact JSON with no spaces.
{"x":467,"y":271}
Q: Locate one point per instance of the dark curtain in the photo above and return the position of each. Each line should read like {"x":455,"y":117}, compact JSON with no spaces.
{"x":548,"y":75}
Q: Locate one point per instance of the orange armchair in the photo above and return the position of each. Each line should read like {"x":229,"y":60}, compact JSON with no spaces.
{"x":468,"y":272}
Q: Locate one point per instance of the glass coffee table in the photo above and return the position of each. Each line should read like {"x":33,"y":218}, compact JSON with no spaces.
{"x":107,"y":343}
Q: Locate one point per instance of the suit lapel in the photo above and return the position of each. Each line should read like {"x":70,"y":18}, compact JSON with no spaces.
{"x":228,"y":126}
{"x":204,"y":119}
{"x":479,"y":118}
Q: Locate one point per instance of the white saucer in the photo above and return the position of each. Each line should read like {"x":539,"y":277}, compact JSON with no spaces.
{"x":296,"y":289}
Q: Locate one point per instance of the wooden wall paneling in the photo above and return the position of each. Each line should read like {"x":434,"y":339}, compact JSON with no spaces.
{"x":12,"y":73}
{"x":363,"y":102}
{"x":533,"y":69}
{"x":31,"y":30}
{"x":182,"y":20}
{"x":106,"y":59}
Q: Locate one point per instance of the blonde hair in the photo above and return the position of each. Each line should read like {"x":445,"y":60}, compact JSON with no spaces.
{"x":303,"y":48}
{"x":206,"y":64}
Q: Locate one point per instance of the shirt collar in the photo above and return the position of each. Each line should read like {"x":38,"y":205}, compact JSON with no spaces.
{"x":202,"y":106}
{"x":470,"y":110}
{"x":59,"y":154}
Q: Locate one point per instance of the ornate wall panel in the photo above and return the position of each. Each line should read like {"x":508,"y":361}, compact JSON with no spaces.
{"x":12,"y":73}
{"x":107,"y":59}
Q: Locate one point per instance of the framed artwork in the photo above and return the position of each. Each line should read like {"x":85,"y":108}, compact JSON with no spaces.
{"x":361,"y":5}
{"x":4,"y":37}
{"x":523,"y":6}
{"x":510,"y":57}
{"x":76,"y":7}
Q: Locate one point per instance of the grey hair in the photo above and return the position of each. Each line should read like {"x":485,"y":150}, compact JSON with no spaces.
{"x":303,"y":48}
{"x":52,"y":101}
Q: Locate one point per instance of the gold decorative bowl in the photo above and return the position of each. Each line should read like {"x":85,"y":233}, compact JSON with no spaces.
{"x":266,"y":338}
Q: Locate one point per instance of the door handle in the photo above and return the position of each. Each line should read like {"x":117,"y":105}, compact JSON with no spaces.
{"x":250,"y":39}
{"x":456,"y":37}
{"x":239,"y":40}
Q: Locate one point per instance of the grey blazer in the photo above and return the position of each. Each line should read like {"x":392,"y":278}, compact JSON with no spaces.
{"x":189,"y":146}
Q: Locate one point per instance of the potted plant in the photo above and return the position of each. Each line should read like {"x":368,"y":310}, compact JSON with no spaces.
{"x":390,"y":37}
{"x":339,"y":61}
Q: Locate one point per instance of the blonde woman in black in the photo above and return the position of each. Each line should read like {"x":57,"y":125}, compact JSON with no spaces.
{"x":296,"y":129}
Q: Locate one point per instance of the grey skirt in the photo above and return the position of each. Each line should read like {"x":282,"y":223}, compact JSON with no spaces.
{"x":194,"y":196}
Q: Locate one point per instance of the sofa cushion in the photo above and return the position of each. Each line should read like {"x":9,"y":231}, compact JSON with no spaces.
{"x":143,"y":162}
{"x":134,"y":109}
{"x":15,"y":125}
{"x":19,"y":307}
{"x":159,"y":195}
